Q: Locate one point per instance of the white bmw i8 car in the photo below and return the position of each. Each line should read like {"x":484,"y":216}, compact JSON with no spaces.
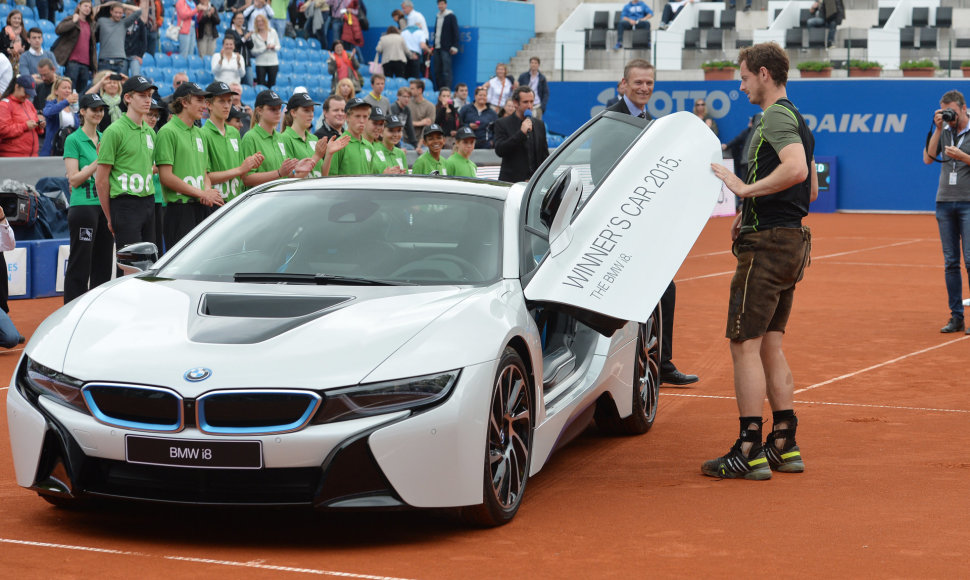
{"x":374,"y":341}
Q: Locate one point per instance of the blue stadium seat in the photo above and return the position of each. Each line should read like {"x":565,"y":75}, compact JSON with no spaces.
{"x":5,"y":10}
{"x":195,"y":62}
{"x":162,"y":60}
{"x":46,"y":26}
{"x":300,"y":42}
{"x":313,"y":43}
{"x":150,"y":72}
{"x":147,"y":60}
{"x":248,"y":94}
{"x":28,"y":22}
{"x":169,"y":46}
{"x":180,"y":62}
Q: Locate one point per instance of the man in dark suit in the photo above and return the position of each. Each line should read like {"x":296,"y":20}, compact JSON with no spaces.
{"x":637,"y":87}
{"x":520,"y":140}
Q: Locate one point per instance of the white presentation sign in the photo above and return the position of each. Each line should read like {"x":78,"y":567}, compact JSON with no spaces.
{"x":63,"y":252}
{"x":16,"y":271}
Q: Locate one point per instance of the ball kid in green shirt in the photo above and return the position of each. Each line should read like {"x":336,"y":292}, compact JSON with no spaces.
{"x":434,"y":138}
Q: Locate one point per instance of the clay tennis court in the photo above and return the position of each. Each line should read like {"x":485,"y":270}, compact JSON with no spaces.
{"x":884,"y":406}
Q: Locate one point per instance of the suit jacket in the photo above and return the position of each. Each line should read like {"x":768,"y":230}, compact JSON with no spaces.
{"x":521,"y":153}
{"x":620,"y":107}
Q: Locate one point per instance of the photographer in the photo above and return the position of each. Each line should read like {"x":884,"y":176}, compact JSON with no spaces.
{"x":952,"y":196}
{"x":9,"y":335}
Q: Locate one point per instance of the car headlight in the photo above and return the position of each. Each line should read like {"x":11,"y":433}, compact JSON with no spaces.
{"x":387,"y":397}
{"x":35,"y":380}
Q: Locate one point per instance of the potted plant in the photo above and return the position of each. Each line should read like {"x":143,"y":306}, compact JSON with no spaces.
{"x":864,"y":68}
{"x":965,"y":67}
{"x":918,"y":68}
{"x":719,"y":70}
{"x":815,"y":69}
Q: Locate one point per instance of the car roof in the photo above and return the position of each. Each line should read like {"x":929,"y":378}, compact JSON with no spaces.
{"x":459,"y":185}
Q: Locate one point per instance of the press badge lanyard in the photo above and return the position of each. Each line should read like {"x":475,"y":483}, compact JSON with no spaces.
{"x":953,"y":174}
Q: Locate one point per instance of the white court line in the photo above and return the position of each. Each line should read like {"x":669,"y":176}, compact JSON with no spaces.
{"x":896,"y":407}
{"x":254,"y":564}
{"x":882,"y":265}
{"x":880,"y":365}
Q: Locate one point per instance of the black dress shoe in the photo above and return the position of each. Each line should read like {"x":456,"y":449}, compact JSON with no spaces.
{"x":675,"y":377}
{"x":955,"y":325}
{"x":22,"y":339}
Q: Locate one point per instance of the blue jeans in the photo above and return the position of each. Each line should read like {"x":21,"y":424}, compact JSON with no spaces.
{"x":442,"y":68}
{"x":80,"y":75}
{"x":336,"y":28}
{"x":280,"y":25}
{"x":9,"y":336}
{"x":624,"y":25}
{"x":953,"y":218}
{"x":187,"y":43}
{"x":134,"y":67}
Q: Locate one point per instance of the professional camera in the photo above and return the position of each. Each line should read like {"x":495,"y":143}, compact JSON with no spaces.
{"x":948,"y":115}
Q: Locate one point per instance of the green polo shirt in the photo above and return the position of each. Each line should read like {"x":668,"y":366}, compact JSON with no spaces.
{"x":384,"y":158}
{"x":182,"y":147}
{"x":79,"y":146}
{"x":270,"y":145}
{"x":356,"y":158}
{"x":223,"y":152}
{"x":130,"y":151}
{"x":426,"y":164}
{"x":299,"y":147}
{"x":460,"y":166}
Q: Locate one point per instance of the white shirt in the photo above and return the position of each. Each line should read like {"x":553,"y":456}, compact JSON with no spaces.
{"x":250,"y":15}
{"x":6,"y":72}
{"x":414,"y":38}
{"x":415,"y":18}
{"x":7,"y":241}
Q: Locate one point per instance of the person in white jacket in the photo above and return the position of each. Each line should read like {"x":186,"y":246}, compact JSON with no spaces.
{"x":228,"y":65}
{"x":266,"y":46}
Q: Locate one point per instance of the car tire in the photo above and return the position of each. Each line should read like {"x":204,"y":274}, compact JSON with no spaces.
{"x":508,"y":444}
{"x":646,"y":385}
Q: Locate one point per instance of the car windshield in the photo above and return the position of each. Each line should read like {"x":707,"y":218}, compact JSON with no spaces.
{"x":324,"y":236}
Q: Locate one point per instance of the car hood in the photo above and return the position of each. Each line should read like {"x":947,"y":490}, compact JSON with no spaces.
{"x":151,"y":331}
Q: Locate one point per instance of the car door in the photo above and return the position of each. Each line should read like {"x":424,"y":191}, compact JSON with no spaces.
{"x":606,"y":248}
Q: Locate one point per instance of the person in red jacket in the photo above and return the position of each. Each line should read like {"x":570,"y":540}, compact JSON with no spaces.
{"x":19,"y":123}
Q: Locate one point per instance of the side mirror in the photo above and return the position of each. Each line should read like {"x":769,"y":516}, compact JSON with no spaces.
{"x":558,"y":208}
{"x":135,"y":258}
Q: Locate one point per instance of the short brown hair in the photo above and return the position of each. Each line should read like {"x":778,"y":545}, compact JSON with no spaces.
{"x":636,"y":63}
{"x":948,"y":97}
{"x":770,"y":56}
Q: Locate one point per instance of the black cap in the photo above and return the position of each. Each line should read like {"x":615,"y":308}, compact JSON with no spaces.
{"x":433,"y":128}
{"x":219,"y":88}
{"x":91,"y":101}
{"x":187,"y":89}
{"x":301,"y":100}
{"x":377,"y":114}
{"x":137,"y":84}
{"x":464,"y":132}
{"x":393,"y":122}
{"x":236,"y":113}
{"x":157,"y":102}
{"x":268,"y":97}
{"x":356,"y":102}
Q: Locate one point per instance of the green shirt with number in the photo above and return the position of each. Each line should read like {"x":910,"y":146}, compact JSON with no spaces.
{"x":303,"y":147}
{"x":79,"y":146}
{"x":426,"y":164}
{"x":130,"y":151}
{"x":384,"y":158}
{"x":460,"y":166}
{"x":182,"y":147}
{"x":223,"y":152}
{"x":270,"y":145}
{"x":356,"y":158}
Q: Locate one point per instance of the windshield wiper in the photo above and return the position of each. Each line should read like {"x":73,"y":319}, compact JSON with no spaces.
{"x":320,"y":279}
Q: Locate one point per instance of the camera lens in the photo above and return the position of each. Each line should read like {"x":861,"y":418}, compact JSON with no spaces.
{"x":948,"y":115}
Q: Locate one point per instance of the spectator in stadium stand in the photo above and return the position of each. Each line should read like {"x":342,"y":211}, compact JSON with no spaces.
{"x":461,"y":95}
{"x":263,"y":137}
{"x":351,"y":33}
{"x":413,"y":17}
{"x":499,"y":88}
{"x":535,"y":80}
{"x":376,"y":96}
{"x":43,"y":82}
{"x":300,"y":143}
{"x":186,"y":13}
{"x":671,"y":9}
{"x":75,"y":47}
{"x":422,"y":111}
{"x":251,"y":11}
{"x":9,"y":335}
{"x":156,"y":19}
{"x":236,"y":117}
{"x":223,"y":144}
{"x":357,"y":157}
{"x":479,"y":117}
{"x":13,"y":40}
{"x":394,"y":53}
{"x":111,"y":34}
{"x":827,"y":13}
{"x":35,"y":53}
{"x":507,"y":109}
{"x":332,"y":120}
{"x":279,"y":17}
{"x":108,"y":85}
{"x":519,"y":140}
{"x":345,"y":88}
{"x":446,"y":41}
{"x":635,"y":15}
{"x":124,"y":175}
{"x":266,"y":47}
{"x":401,"y":110}
{"x":416,"y":40}
{"x":20,"y":126}
{"x":6,"y":72}
{"x":446,"y":115}
{"x":460,"y":163}
{"x":317,"y":13}
{"x":244,"y":43}
{"x":58,"y":114}
{"x":344,"y":65}
{"x":228,"y":65}
{"x":136,"y":40}
{"x":431,"y":161}
{"x":386,"y":152}
{"x":205,"y":27}
{"x":336,"y":25}
{"x":90,"y":259}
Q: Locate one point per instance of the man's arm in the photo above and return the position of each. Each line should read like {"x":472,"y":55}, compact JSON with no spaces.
{"x":934,"y":143}
{"x":814,"y":195}
{"x":101,"y":183}
{"x":208,"y":196}
{"x":791,"y":171}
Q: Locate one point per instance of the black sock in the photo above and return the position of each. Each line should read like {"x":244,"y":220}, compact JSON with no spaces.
{"x":750,"y":429}
{"x":780,"y":416}
{"x":785,"y":422}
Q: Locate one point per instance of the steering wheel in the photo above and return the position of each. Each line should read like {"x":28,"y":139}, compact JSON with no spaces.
{"x":424,"y":263}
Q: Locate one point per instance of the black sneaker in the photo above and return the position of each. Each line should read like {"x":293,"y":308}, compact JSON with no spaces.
{"x":788,"y":459}
{"x":735,"y":465}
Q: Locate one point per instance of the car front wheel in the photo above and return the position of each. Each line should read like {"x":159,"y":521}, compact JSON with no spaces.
{"x":646,"y":385}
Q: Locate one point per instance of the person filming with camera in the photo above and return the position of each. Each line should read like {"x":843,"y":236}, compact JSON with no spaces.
{"x":952,"y":196}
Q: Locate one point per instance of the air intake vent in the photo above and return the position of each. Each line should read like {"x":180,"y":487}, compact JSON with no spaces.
{"x":262,"y":306}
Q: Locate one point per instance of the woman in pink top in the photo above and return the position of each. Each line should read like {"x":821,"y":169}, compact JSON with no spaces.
{"x":186,"y":12}
{"x":74,"y":47}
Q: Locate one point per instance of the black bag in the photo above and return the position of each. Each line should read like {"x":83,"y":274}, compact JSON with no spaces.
{"x":362,"y":16}
{"x":19,"y":202}
{"x":57,"y":149}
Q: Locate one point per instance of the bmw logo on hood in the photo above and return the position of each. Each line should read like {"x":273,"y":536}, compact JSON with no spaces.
{"x":197,"y":374}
